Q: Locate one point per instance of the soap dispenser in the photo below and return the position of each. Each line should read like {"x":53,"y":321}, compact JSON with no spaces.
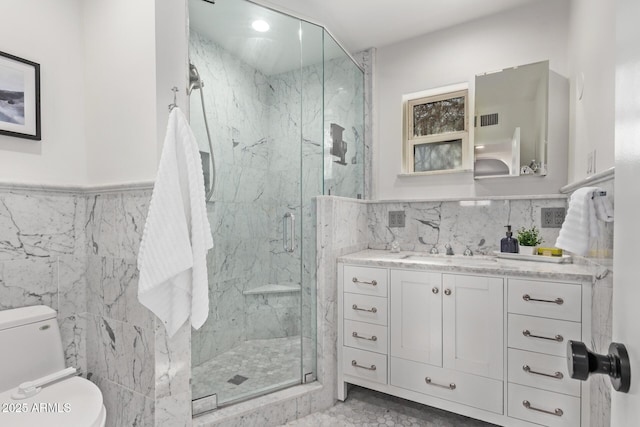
{"x":509,"y":244}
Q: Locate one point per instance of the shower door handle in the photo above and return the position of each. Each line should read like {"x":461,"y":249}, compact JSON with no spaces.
{"x":291,"y":235}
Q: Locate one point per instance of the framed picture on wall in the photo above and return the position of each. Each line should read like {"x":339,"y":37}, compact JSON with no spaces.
{"x":19,"y":97}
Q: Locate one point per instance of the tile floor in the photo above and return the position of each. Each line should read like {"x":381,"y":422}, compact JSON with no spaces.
{"x":264,"y":363}
{"x":367,"y":408}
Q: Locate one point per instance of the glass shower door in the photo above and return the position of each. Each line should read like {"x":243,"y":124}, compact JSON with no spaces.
{"x":263,"y":99}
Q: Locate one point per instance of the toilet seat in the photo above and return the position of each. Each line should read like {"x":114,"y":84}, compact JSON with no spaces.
{"x":73,"y":402}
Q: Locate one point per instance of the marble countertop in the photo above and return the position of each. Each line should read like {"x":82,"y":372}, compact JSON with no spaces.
{"x":480,"y":264}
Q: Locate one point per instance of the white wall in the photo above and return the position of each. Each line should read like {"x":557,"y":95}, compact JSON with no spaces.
{"x":49,"y":33}
{"x":120,"y":89}
{"x":533,"y":33}
{"x":592,"y":53}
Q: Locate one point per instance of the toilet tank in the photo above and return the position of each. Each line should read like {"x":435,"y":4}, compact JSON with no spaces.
{"x":30,"y":345}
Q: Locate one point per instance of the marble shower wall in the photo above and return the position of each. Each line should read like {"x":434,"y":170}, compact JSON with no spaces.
{"x":241,"y":218}
{"x":42,"y":259}
{"x":476,"y":224}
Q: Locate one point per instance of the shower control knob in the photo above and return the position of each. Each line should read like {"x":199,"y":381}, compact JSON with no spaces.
{"x":583,"y":362}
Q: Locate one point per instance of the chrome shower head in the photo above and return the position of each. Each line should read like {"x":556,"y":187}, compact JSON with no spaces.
{"x":195,"y":82}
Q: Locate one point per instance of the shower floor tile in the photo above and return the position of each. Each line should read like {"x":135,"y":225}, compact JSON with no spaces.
{"x":265,"y":364}
{"x":364,"y":408}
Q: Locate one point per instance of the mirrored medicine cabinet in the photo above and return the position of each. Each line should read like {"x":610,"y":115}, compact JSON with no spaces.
{"x":511,"y":121}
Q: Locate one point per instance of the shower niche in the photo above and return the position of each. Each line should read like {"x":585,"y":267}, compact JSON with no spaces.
{"x":273,"y":85}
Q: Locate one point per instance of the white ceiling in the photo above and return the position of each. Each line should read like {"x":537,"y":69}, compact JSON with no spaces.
{"x":356,"y":24}
{"x":360,"y":24}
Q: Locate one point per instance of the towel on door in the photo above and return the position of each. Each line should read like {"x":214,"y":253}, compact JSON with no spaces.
{"x":581,"y":223}
{"x":177,"y":235}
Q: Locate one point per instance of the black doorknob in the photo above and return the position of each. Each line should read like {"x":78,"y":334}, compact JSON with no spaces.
{"x":583,"y":362}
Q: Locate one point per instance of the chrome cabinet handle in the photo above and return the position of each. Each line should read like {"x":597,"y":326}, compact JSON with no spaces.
{"x":373,"y":337}
{"x":558,"y":301}
{"x":435,"y":290}
{"x":451,"y":386}
{"x":557,"y":375}
{"x":372,"y":283}
{"x":370,"y":310}
{"x":447,"y":291}
{"x":557,"y":412}
{"x":291,"y":236}
{"x":368,"y":368}
{"x":528,"y":334}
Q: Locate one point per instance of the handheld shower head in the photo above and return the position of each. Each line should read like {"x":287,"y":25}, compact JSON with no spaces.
{"x":195,"y":82}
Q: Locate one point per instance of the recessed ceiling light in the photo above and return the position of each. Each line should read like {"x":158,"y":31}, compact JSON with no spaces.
{"x":260,"y":25}
{"x":479,"y":147}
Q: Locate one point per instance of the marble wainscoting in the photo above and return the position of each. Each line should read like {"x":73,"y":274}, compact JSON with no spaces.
{"x":477,"y":224}
{"x":42,"y":258}
{"x":144,"y":375}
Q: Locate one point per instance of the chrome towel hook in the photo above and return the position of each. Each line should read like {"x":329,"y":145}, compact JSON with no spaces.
{"x":175,"y":102}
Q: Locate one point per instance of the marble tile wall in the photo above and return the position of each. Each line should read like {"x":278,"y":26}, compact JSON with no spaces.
{"x":367,"y":59}
{"x":476,"y":224}
{"x":120,"y":334}
{"x":42,"y":259}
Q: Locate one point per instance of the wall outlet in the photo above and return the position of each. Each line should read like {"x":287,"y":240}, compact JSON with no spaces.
{"x":552,"y":217}
{"x":396,"y":218}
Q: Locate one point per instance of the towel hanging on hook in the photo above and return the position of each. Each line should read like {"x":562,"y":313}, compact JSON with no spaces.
{"x":175,"y":102}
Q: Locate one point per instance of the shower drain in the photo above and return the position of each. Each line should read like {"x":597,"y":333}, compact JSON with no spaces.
{"x":237,"y":379}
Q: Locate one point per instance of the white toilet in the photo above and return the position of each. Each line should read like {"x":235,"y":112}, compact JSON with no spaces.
{"x":31,"y":351}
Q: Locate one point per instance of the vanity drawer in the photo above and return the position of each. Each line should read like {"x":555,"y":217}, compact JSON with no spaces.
{"x":364,"y":364}
{"x":365,"y":336}
{"x":545,"y":299}
{"x":365,"y":308}
{"x":448,"y":384}
{"x":539,"y":334}
{"x":541,"y":371}
{"x":564,"y":410}
{"x":365,"y":280}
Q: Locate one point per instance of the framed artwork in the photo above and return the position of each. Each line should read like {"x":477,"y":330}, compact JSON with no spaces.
{"x":19,"y":97}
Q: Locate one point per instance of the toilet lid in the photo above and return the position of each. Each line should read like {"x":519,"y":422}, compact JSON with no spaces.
{"x":74,"y":402}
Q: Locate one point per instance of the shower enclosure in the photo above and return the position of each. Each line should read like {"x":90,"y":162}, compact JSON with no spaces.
{"x":285,"y":110}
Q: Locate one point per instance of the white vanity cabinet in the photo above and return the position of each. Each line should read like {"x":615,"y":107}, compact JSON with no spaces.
{"x":488,"y":346}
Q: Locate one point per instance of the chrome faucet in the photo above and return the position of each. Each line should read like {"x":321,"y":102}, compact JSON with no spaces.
{"x":449,"y":249}
{"x":468,"y":252}
{"x":434,"y":250}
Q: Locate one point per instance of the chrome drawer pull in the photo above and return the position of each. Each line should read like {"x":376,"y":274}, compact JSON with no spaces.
{"x":371,"y":310}
{"x":372,"y":283}
{"x":558,"y":338}
{"x":373,"y":337}
{"x":369,"y":368}
{"x":557,"y":375}
{"x":558,"y":301}
{"x":557,"y":412}
{"x":451,"y":386}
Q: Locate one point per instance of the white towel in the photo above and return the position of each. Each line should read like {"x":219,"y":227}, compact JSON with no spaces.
{"x":177,"y":234}
{"x":581,"y":223}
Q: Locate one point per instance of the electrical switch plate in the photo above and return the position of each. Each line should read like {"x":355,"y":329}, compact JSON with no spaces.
{"x":552,"y":217}
{"x":396,"y":218}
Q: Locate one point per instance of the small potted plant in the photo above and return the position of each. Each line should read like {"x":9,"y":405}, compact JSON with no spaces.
{"x":529,"y":238}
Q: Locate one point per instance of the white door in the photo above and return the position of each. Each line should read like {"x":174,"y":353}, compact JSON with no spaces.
{"x":625,"y":408}
{"x":415,"y":319}
{"x":472,"y":319}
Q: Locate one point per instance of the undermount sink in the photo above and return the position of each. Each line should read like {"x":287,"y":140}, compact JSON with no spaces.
{"x":454,"y":259}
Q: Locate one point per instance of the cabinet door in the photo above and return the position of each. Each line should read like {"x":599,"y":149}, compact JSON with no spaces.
{"x":473,"y":324}
{"x":416,"y":316}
